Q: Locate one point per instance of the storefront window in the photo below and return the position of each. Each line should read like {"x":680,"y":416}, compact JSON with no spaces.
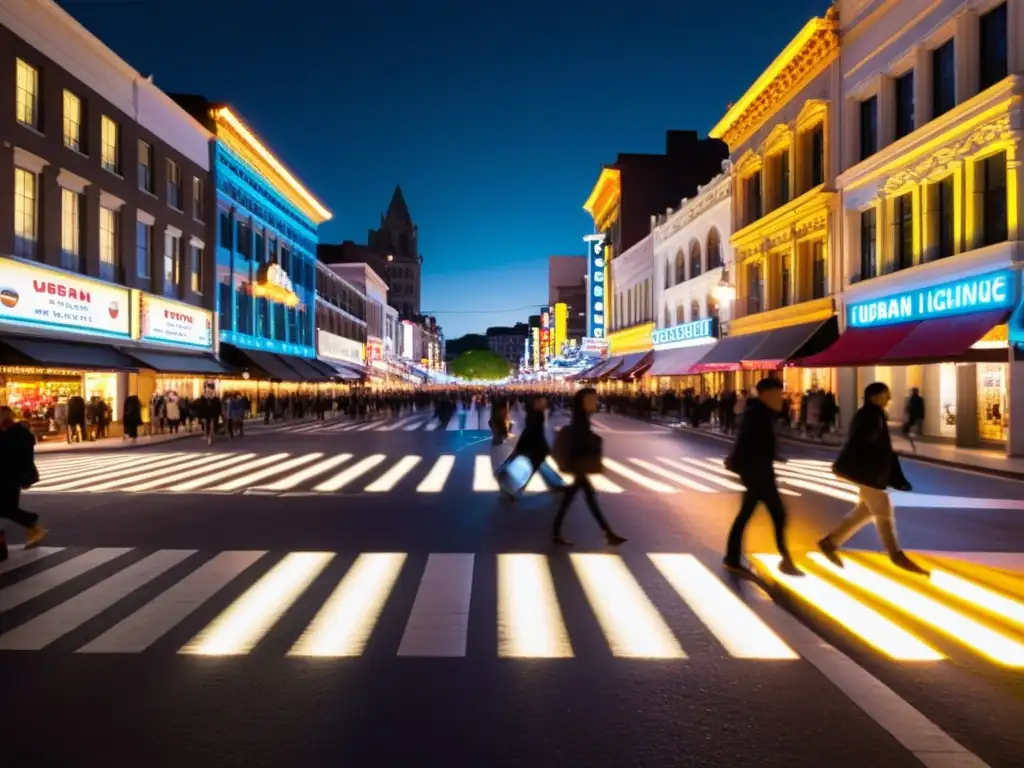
{"x":947,"y":400}
{"x":993,"y":419}
{"x":34,"y":393}
{"x":104,"y":386}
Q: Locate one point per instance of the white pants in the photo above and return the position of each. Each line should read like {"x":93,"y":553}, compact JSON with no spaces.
{"x":872,"y":504}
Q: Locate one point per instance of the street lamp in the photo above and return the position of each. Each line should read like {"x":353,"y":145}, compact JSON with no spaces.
{"x":724,"y":291}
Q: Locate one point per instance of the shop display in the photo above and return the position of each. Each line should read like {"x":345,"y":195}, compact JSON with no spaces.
{"x":993,"y":419}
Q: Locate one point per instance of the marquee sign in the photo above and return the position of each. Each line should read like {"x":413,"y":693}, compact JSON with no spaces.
{"x":171,"y":322}
{"x":958,"y":297}
{"x":596,"y":327}
{"x":686,"y":335}
{"x":39,"y":297}
{"x":272,"y":283}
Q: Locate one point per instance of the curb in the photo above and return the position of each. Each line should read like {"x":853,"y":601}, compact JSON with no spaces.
{"x":1005,"y":474}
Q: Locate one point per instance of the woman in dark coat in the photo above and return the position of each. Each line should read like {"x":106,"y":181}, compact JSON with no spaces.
{"x":533,"y":445}
{"x":868,"y":460}
{"x":132,"y":416}
{"x":578,"y":451}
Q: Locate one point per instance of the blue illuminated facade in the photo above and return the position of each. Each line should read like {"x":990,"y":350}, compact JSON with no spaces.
{"x":697,"y":332}
{"x":256,"y":225}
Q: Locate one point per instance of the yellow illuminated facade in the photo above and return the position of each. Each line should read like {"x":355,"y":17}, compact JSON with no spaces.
{"x":630,"y":340}
{"x":780,"y":136}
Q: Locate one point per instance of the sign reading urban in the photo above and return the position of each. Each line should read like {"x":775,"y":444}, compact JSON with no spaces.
{"x":595,"y":285}
{"x":959,"y":297}
{"x":36,"y":296}
{"x":170,"y":322}
{"x":686,"y":334}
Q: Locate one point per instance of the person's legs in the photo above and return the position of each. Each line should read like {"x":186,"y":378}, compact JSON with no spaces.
{"x":734,"y":547}
{"x":563,"y":507}
{"x":775,"y":507}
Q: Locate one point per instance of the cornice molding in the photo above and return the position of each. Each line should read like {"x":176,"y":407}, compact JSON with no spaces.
{"x":708,"y":196}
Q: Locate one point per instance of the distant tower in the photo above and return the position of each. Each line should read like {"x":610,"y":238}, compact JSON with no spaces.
{"x":398,"y":237}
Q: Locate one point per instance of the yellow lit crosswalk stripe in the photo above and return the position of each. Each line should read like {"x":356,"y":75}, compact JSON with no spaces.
{"x":979,"y":596}
{"x":393,"y":476}
{"x":818,"y":488}
{"x":343,"y":625}
{"x":530,"y":624}
{"x":483,"y":475}
{"x":248,"y":480}
{"x":735,"y":625}
{"x":988,"y":642}
{"x":630,"y":622}
{"x":866,"y":623}
{"x":694,"y":467}
{"x":207,"y":480}
{"x":346,"y":476}
{"x":600,"y":482}
{"x":437,"y":476}
{"x":172,"y":471}
{"x":88,"y":477}
{"x":676,"y":477}
{"x":287,"y":483}
{"x":199,"y":470}
{"x":247,"y":620}
{"x":636,"y":477}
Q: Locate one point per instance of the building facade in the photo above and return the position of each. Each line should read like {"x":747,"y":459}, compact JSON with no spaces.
{"x":340,"y":323}
{"x":266,"y":236}
{"x":509,"y":341}
{"x":931,"y":211}
{"x":104,"y":224}
{"x":782,"y":141}
{"x":693,"y":263}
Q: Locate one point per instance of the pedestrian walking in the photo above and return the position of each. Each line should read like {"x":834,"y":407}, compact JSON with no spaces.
{"x":578,"y":452}
{"x":868,"y":460}
{"x":753,"y":459}
{"x":17,"y":449}
{"x":532,"y":448}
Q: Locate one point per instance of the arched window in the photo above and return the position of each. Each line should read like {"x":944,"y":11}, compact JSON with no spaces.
{"x":694,"y":259}
{"x":714,"y":250}
{"x":680,"y":314}
{"x":694,"y":310}
{"x":680,"y":267}
{"x":668,"y":274}
{"x":668,"y":317}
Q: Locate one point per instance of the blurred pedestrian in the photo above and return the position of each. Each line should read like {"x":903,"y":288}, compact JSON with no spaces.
{"x":17,"y":449}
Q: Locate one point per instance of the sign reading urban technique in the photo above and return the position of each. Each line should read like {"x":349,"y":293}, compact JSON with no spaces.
{"x":40,"y":297}
{"x":687,"y":334}
{"x":959,"y":297}
{"x":171,"y":322}
{"x":595,"y":286}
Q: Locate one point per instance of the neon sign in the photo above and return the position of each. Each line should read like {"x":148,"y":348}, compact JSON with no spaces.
{"x":272,"y":283}
{"x":685,"y":335}
{"x":595,"y":285}
{"x":959,"y":297}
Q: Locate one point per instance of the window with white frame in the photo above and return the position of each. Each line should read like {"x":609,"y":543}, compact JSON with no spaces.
{"x":172,"y":263}
{"x":25,"y":203}
{"x":70,"y":230}
{"x":197,"y":199}
{"x":143,"y":248}
{"x":174,"y":185}
{"x":27,"y":94}
{"x":110,"y":155}
{"x":144,"y":168}
{"x":196,"y":268}
{"x":72,"y":121}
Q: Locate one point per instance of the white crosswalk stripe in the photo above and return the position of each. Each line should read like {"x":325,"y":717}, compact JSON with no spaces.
{"x":126,"y":602}
{"x":320,"y":472}
{"x":422,"y":420}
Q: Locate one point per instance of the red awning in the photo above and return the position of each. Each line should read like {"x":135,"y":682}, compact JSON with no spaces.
{"x":607,"y":369}
{"x":943,"y":339}
{"x":633,"y":365}
{"x":858,"y":346}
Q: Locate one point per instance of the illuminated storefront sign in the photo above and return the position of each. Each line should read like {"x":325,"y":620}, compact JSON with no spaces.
{"x":374,"y":349}
{"x":561,"y":324}
{"x":171,"y":322}
{"x":43,"y":298}
{"x":535,"y":346}
{"x":959,"y":297}
{"x":595,"y":285}
{"x":272,"y":283}
{"x":687,"y":334}
{"x":407,"y":340}
{"x":330,"y":346}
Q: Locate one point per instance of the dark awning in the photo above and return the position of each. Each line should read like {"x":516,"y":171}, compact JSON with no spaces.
{"x":266,"y":364}
{"x":946,"y":339}
{"x":858,"y":347}
{"x":728,"y":354}
{"x":346,"y":371}
{"x":783,"y":344}
{"x":633,"y":365}
{"x":22,"y":350}
{"x":585,"y":373}
{"x":610,"y":366}
{"x":305,"y":371}
{"x":173,"y":362}
{"x":679,"y":361}
{"x":324,"y":369}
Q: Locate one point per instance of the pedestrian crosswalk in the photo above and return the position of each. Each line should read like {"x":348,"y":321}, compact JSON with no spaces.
{"x":521,"y":605}
{"x":317,"y":472}
{"x":419,"y":421}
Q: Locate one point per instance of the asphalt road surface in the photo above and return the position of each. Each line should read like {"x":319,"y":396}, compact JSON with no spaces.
{"x":358,"y":594}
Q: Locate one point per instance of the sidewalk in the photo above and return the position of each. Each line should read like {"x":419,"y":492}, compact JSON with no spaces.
{"x":977,"y":459}
{"x":117,"y":443}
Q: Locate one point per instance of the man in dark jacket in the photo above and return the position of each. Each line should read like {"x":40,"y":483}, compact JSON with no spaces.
{"x":868,"y":460}
{"x":16,"y":457}
{"x":753,"y":459}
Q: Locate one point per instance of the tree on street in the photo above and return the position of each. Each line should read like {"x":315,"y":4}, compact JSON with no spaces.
{"x":479,"y":364}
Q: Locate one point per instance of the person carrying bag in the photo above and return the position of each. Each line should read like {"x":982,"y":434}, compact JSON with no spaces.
{"x":578,"y":453}
{"x":529,"y":456}
{"x":869,"y":461}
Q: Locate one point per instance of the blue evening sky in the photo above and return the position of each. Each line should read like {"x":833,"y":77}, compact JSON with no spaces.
{"x":495,"y":117}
